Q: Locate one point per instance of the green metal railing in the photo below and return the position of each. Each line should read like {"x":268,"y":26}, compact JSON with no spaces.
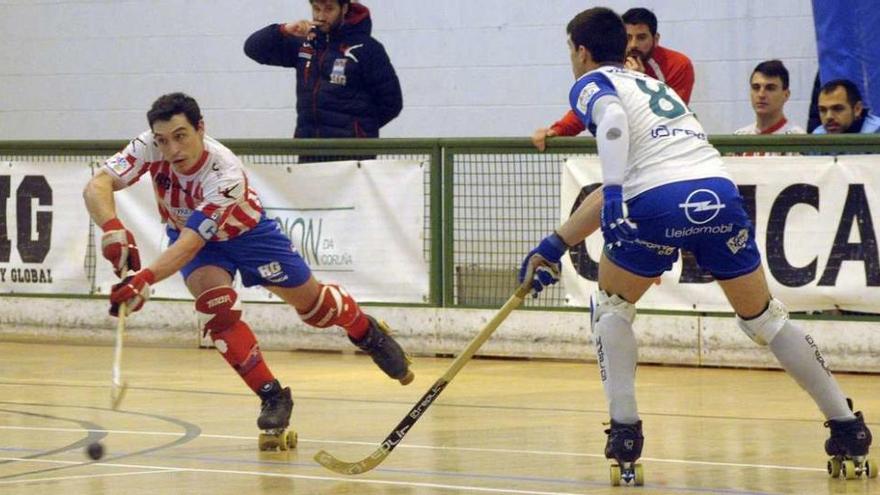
{"x":488,"y":200}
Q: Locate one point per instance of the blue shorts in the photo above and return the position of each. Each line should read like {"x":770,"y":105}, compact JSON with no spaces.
{"x":263,"y":256}
{"x":703,"y":216}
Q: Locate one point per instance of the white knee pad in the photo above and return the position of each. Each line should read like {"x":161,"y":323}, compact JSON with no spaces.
{"x":602,"y":303}
{"x":764,"y":328}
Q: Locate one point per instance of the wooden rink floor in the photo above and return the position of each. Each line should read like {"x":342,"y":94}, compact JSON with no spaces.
{"x":188,"y":425}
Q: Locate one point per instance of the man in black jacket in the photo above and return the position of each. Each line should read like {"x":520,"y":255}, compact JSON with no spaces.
{"x":345,"y":83}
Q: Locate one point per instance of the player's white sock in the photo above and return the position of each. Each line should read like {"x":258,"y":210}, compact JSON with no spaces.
{"x":617,"y":352}
{"x":799,"y":355}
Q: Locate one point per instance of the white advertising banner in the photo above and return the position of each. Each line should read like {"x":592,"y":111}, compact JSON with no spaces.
{"x":814,"y":226}
{"x":43,"y":228}
{"x":357,"y":224}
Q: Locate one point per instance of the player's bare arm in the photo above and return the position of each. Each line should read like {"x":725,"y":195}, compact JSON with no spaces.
{"x":118,"y":245}
{"x":177,"y":255}
{"x":98,"y":195}
{"x":584,"y":221}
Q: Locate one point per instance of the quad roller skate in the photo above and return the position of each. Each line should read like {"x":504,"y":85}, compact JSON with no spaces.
{"x":624,"y":446}
{"x":385,"y":351}
{"x":275,"y":418}
{"x":848,"y":446}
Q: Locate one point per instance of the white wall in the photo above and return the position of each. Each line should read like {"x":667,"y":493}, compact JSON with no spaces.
{"x":89,"y":69}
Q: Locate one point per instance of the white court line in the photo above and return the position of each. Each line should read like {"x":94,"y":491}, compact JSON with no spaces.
{"x":435,"y":447}
{"x":164,"y":469}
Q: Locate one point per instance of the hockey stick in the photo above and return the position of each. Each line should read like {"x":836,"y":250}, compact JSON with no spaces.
{"x":117,"y":386}
{"x":330,"y":462}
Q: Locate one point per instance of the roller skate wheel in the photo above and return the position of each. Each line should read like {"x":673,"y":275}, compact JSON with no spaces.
{"x":640,"y":475}
{"x":834,"y":467}
{"x":267,"y":441}
{"x":282,"y":441}
{"x":614,"y":471}
{"x":871,"y":468}
{"x":406,"y":380}
{"x":291,"y":439}
{"x":848,"y":469}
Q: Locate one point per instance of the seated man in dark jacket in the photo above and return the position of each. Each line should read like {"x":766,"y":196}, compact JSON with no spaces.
{"x":345,"y":83}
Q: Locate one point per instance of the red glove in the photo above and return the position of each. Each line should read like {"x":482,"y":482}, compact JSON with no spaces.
{"x":118,"y":246}
{"x":134,"y":290}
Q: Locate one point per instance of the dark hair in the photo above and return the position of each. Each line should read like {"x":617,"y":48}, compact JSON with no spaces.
{"x":641,"y":15}
{"x":601,"y":32}
{"x":342,"y":3}
{"x":167,"y":106}
{"x":853,"y":95}
{"x":772,"y":68}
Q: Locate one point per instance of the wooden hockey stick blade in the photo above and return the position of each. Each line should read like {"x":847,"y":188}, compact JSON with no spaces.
{"x":336,"y":465}
{"x":117,"y":392}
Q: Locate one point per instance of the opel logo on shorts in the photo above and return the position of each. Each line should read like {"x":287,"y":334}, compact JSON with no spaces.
{"x":702,"y":206}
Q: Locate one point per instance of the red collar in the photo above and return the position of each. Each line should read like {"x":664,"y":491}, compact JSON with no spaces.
{"x":775,"y":127}
{"x":198,"y":166}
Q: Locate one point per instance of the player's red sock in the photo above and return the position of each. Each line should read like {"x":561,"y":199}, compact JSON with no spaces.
{"x":240,"y":349}
{"x":335,"y":306}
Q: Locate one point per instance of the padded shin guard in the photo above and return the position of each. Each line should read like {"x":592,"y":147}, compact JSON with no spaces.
{"x":240,"y":349}
{"x":617,"y":353}
{"x":798,"y":354}
{"x":335,"y":306}
{"x":220,"y":310}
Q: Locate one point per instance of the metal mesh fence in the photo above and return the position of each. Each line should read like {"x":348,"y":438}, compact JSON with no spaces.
{"x":493,"y":202}
{"x":503,"y":204}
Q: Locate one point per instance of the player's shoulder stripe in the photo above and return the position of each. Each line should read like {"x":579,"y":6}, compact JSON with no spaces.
{"x":586,"y":90}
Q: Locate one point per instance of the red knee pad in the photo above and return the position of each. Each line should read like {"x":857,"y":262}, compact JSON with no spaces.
{"x":219,"y":309}
{"x":333,"y":307}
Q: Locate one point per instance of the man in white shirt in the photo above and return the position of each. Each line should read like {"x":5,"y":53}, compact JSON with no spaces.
{"x":769,"y":93}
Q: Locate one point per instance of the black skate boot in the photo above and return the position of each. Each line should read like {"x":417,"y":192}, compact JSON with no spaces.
{"x":275,"y":418}
{"x":385,"y":351}
{"x":624,"y":446}
{"x":848,"y":445}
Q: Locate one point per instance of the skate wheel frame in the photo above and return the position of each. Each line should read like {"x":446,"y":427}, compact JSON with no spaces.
{"x":850,"y":469}
{"x":277,"y":441}
{"x":627,"y":472}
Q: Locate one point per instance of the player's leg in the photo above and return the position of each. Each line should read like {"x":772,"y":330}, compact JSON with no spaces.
{"x":766,"y":321}
{"x":219,"y":310}
{"x":325,"y":305}
{"x":612,"y":314}
{"x":265,"y":256}
{"x":733,"y":258}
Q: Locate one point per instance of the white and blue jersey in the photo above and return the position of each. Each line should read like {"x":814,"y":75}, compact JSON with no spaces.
{"x":667,"y":143}
{"x":675,"y":185}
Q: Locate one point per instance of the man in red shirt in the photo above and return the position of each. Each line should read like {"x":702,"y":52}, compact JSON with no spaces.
{"x":643,"y":55}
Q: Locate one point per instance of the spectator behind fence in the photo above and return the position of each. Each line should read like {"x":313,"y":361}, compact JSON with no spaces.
{"x":842,"y":111}
{"x":769,"y":93}
{"x":346,"y":86}
{"x":643,"y":54}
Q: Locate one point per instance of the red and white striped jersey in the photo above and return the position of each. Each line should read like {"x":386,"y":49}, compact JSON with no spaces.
{"x":217,"y":186}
